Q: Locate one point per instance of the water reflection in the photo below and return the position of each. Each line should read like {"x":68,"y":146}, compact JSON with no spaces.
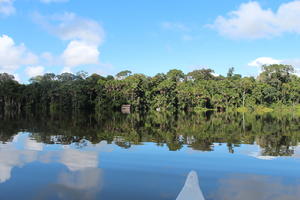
{"x":249,"y":187}
{"x":91,"y":158}
{"x":82,"y":184}
{"x":276,"y":135}
{"x":11,"y":156}
{"x":77,"y":160}
{"x":23,"y":149}
{"x":259,"y":152}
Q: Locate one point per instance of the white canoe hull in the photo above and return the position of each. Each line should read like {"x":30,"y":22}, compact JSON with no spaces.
{"x":191,"y":189}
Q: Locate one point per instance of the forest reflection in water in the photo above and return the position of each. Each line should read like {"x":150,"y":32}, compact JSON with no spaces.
{"x":132,"y":157}
{"x":275,"y":135}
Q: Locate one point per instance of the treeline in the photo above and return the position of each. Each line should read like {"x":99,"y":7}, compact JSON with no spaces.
{"x":172,"y":92}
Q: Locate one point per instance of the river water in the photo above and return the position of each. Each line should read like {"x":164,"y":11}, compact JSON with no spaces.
{"x":132,"y":157}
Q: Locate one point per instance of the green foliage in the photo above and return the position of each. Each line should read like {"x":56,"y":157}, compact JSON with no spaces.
{"x":202,"y":74}
{"x":242,"y":110}
{"x":172,"y":92}
{"x":123,"y":74}
{"x":260,"y":110}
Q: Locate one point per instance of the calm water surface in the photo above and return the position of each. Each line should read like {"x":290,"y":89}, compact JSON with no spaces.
{"x":129,"y":157}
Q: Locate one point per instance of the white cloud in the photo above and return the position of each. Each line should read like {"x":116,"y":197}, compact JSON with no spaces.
{"x":13,"y":56}
{"x":251,"y":21}
{"x":259,"y":62}
{"x":69,"y":26}
{"x":17,"y":77}
{"x":7,"y":7}
{"x":80,"y":53}
{"x":84,"y":35}
{"x":84,"y":38}
{"x":264,"y":61}
{"x":35,"y":71}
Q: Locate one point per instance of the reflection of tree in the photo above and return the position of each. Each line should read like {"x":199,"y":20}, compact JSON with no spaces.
{"x":122,"y":143}
{"x":174,"y":146}
{"x":275,"y":134}
{"x":275,"y":145}
{"x":202,"y":145}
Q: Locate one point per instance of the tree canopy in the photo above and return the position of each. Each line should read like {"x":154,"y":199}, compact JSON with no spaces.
{"x":172,"y":92}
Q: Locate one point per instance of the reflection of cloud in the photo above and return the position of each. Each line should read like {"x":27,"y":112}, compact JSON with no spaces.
{"x":82,"y":184}
{"x":266,"y":157}
{"x":191,"y":189}
{"x":84,"y":179}
{"x":265,"y":154}
{"x":103,"y":146}
{"x":10,"y":158}
{"x":261,"y":157}
{"x":81,"y":181}
{"x":249,"y":187}
{"x":16,"y":138}
{"x":254,"y":151}
{"x":31,"y":144}
{"x":297,"y":152}
{"x":23,"y":150}
{"x":77,"y":160}
{"x":5,"y":171}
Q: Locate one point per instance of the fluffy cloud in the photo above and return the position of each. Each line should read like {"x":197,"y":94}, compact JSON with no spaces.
{"x":69,"y":26}
{"x":264,"y":61}
{"x":13,"y":56}
{"x":80,"y":53}
{"x":35,"y":71}
{"x":17,"y":77}
{"x":7,"y":7}
{"x":259,"y":62}
{"x":84,"y":35}
{"x":251,"y":21}
{"x":84,"y":38}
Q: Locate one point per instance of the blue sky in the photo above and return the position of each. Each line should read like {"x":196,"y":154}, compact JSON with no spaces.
{"x":146,"y":36}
